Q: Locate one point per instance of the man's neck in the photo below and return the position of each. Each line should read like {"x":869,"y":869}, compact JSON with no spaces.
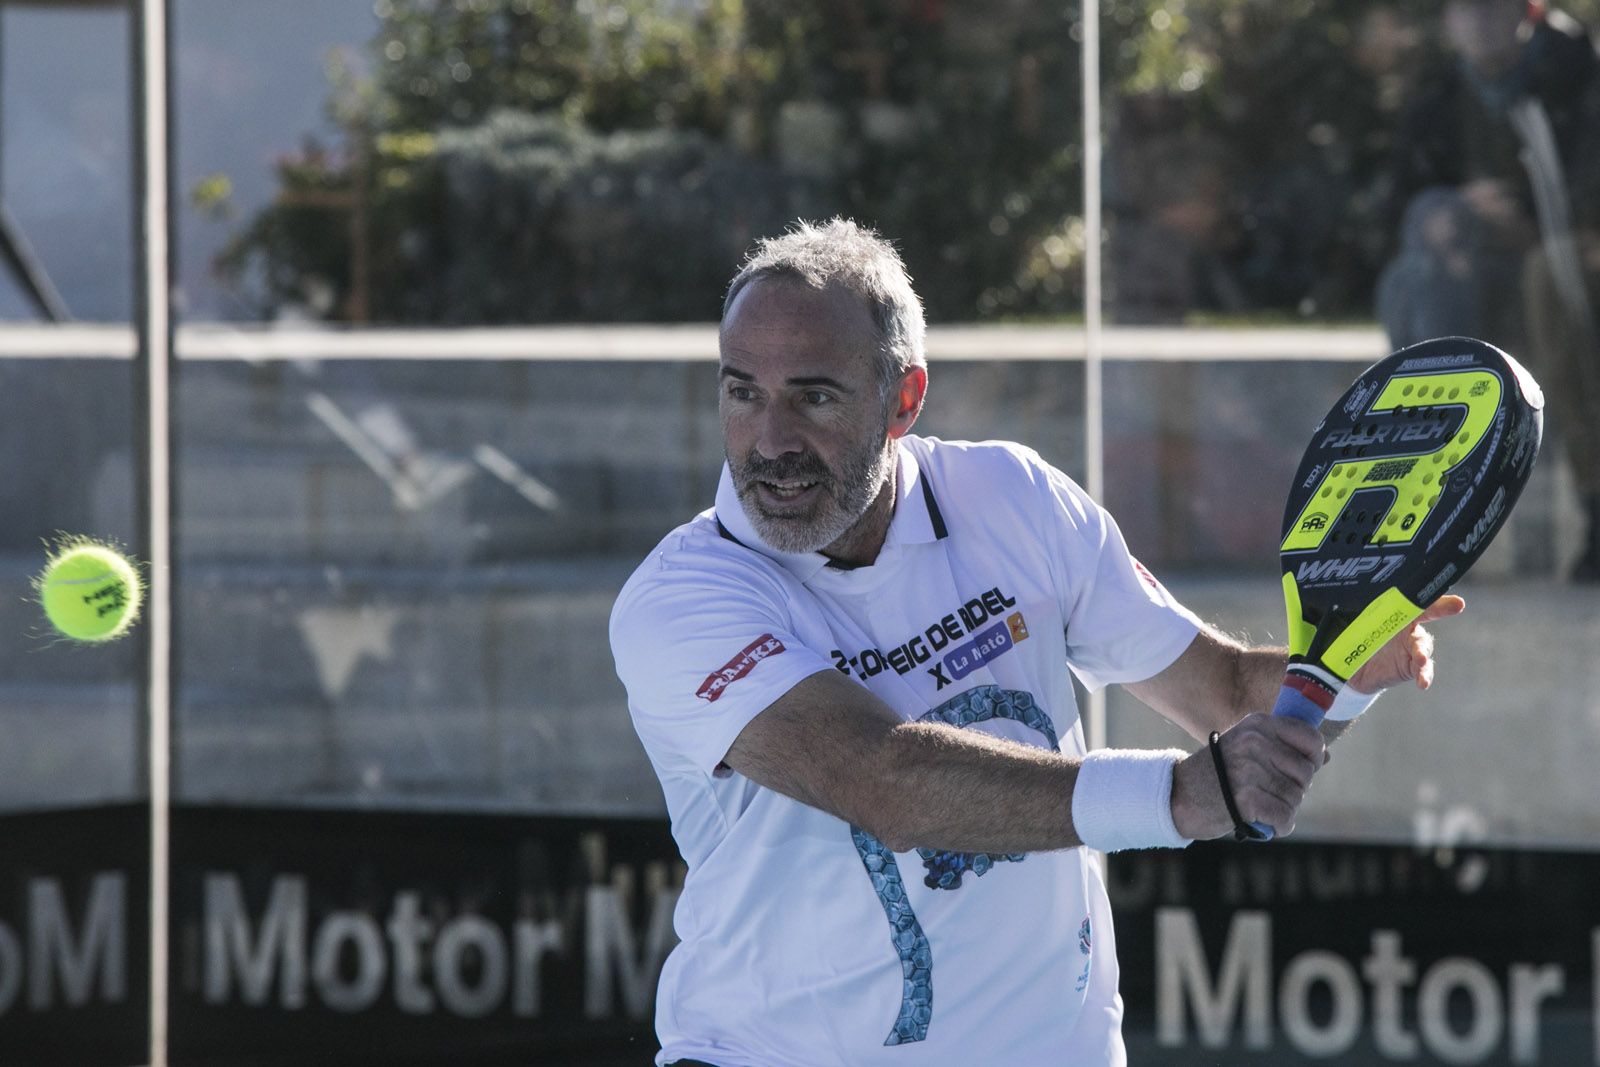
{"x":860,"y":544}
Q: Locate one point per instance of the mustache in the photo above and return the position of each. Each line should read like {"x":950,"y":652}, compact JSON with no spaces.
{"x":805,"y":466}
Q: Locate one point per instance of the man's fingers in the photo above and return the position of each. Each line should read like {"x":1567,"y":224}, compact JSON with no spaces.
{"x":1295,"y":767}
{"x":1408,"y":655}
{"x":1420,"y":658}
{"x":1285,"y":774}
{"x":1265,"y":806}
{"x":1443,"y":608}
{"x":1271,"y":761}
{"x":1300,"y":736}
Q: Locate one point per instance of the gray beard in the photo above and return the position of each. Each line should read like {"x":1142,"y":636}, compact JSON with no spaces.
{"x":844,"y":499}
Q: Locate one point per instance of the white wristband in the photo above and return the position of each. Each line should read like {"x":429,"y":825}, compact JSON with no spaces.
{"x":1123,"y":799}
{"x":1349,"y":703}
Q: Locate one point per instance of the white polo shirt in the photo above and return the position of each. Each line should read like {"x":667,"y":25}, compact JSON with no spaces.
{"x":804,"y":941}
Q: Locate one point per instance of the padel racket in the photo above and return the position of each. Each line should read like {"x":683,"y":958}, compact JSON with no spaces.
{"x":1405,"y":483}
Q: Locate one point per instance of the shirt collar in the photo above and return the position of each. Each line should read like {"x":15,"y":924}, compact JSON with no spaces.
{"x":916,"y":520}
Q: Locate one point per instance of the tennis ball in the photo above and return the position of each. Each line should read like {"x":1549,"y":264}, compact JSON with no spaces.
{"x":89,"y":591}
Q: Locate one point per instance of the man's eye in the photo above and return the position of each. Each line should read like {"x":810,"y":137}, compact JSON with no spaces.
{"x":817,"y":397}
{"x":740,"y":392}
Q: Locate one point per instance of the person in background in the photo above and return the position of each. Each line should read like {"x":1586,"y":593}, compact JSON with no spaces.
{"x":1498,"y":172}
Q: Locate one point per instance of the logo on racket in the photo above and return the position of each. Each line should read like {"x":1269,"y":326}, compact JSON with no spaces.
{"x":1348,"y":570}
{"x":1417,"y":409}
{"x":1487,"y":523}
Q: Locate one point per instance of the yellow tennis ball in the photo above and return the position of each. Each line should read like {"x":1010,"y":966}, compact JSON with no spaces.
{"x":90,"y":591}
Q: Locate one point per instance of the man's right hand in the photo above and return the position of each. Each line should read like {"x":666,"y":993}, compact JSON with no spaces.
{"x":1270,"y":760}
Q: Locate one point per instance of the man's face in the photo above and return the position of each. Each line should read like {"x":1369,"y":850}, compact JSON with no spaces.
{"x":804,"y":425}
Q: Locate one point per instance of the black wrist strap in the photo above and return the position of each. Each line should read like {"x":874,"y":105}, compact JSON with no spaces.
{"x":1241,"y":829}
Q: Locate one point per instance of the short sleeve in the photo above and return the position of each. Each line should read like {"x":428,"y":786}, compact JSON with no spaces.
{"x":702,"y":651}
{"x":1122,"y":623}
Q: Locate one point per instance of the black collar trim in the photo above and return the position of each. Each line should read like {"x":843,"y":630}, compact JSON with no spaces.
{"x":935,"y":516}
{"x":726,"y":536}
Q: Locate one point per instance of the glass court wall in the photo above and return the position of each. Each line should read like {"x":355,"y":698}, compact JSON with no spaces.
{"x":446,"y":276}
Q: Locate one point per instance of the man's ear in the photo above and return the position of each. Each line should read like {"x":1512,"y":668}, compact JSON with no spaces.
{"x":905,"y":403}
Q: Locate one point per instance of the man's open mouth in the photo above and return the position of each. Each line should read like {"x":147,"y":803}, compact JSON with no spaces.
{"x":785,"y":491}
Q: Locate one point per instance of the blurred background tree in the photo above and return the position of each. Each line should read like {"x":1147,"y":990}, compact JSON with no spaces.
{"x":1256,"y":140}
{"x":526,"y":161}
{"x":611,"y":160}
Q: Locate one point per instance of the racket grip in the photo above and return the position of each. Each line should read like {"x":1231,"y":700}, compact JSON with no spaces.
{"x":1293,"y":702}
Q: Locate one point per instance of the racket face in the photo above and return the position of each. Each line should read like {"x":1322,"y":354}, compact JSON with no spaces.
{"x":1406,"y":481}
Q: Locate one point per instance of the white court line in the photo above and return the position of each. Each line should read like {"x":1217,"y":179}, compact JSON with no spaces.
{"x":1001,"y":344}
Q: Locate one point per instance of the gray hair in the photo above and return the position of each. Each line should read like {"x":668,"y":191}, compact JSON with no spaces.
{"x":862,"y":262}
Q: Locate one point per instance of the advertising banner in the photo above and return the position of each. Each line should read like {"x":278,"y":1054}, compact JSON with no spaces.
{"x":351,"y":937}
{"x":1365,"y":955}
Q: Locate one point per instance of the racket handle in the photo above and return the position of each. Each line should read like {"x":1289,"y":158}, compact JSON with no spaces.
{"x":1293,"y":702}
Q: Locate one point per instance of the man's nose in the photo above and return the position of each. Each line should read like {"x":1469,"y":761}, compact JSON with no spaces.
{"x":778,"y":434}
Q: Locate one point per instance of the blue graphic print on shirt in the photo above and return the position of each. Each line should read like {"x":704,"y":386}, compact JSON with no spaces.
{"x":944,"y":868}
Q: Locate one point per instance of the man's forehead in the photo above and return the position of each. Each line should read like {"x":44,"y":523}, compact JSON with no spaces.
{"x":776,"y":296}
{"x":786,"y":319}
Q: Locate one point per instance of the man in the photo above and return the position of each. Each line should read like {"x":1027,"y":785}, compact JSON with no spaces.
{"x":851,"y":679}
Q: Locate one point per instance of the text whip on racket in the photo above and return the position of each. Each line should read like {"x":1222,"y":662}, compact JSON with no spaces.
{"x":1406,"y":481}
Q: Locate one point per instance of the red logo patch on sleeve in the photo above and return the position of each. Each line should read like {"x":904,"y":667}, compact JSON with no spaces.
{"x":1144,"y":572}
{"x":739,"y":666}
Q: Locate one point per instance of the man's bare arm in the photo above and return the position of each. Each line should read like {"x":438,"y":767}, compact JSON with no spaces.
{"x":833,"y":745}
{"x":1215,"y":682}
